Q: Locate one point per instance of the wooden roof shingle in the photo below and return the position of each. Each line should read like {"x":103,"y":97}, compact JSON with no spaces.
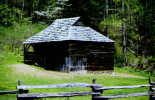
{"x":65,"y":29}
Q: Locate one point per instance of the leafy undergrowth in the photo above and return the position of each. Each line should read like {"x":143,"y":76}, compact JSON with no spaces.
{"x":32,"y":75}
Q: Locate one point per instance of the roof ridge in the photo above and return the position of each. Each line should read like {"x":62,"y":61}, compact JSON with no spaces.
{"x":66,"y":21}
{"x":69,"y":18}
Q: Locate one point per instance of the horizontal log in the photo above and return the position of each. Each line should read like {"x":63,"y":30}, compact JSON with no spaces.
{"x":152,"y":84}
{"x":7,"y":92}
{"x":121,"y":96}
{"x":153,"y":97}
{"x":122,"y":87}
{"x":50,"y":95}
{"x":59,"y":85}
{"x":153,"y":89}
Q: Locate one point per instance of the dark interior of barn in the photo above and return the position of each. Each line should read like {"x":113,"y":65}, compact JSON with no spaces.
{"x":55,"y":55}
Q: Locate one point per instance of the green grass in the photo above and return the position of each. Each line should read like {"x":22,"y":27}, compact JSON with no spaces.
{"x":9,"y":79}
{"x":132,"y":70}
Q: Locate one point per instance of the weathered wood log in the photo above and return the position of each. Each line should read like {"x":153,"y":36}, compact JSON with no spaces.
{"x":152,"y":98}
{"x":153,"y":89}
{"x":50,"y":95}
{"x":122,"y":87}
{"x":22,"y":91}
{"x":152,"y":84}
{"x":94,"y":90}
{"x":7,"y":92}
{"x":59,"y":85}
{"x":121,"y":96}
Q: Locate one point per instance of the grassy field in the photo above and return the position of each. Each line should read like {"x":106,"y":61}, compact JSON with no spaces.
{"x":11,"y":71}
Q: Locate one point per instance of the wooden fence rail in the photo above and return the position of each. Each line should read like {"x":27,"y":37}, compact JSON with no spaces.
{"x":97,"y":89}
{"x":65,"y":85}
{"x":121,"y":96}
{"x":122,"y":87}
{"x":8,"y":92}
{"x":150,"y":92}
{"x":51,"y":95}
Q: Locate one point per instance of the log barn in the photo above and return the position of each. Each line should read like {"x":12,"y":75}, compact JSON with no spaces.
{"x":68,"y":45}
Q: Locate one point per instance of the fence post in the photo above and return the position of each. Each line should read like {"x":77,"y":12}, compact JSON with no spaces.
{"x":18,"y":83}
{"x":151,"y":97}
{"x":94,"y":90}
{"x":20,"y":91}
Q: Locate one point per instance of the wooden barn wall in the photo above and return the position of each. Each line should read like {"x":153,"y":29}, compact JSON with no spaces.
{"x":48,"y":55}
{"x":51,"y":55}
{"x":100,"y":56}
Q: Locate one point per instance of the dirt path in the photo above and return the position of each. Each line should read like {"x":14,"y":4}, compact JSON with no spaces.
{"x":31,"y":70}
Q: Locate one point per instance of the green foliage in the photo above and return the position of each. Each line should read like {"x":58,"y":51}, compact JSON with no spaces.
{"x":9,"y":15}
{"x":151,"y":60}
{"x":123,"y":26}
{"x":11,"y":38}
{"x":118,"y":55}
{"x":112,"y":20}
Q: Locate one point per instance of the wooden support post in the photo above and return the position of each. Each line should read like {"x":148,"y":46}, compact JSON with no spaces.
{"x":20,"y":91}
{"x":94,"y":90}
{"x":24,"y":53}
{"x":19,"y":82}
{"x":94,"y":81}
{"x":151,"y":97}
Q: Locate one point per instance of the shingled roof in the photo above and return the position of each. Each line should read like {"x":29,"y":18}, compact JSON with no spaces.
{"x":66,"y":29}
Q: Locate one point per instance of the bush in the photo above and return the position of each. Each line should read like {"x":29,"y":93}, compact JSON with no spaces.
{"x":9,"y":15}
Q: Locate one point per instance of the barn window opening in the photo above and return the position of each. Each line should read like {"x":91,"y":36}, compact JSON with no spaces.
{"x":30,"y":49}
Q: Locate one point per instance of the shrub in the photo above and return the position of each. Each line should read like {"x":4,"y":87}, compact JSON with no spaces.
{"x":9,"y":15}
